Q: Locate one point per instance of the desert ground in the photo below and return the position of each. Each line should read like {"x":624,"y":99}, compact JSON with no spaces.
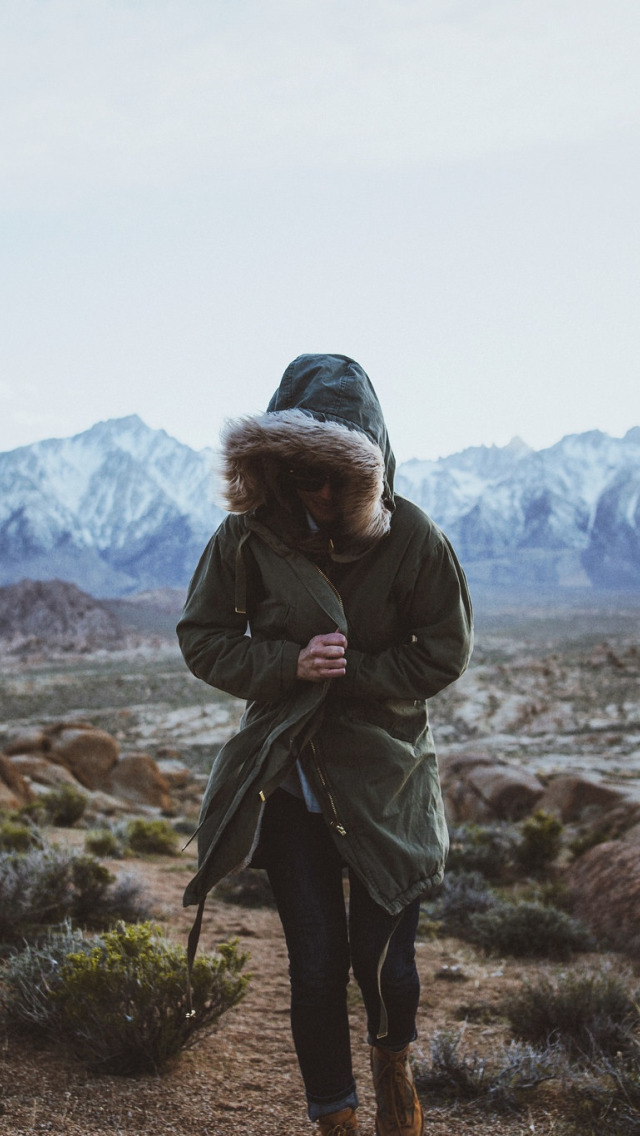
{"x":551,"y":689}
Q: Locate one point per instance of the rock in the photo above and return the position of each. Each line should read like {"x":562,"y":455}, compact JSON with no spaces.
{"x":137,"y":779}
{"x":481,"y":790}
{"x":571,"y":797}
{"x":41,"y":771}
{"x":457,"y":765}
{"x":14,"y":790}
{"x":454,"y":770}
{"x":604,"y":886}
{"x":30,"y":741}
{"x":632,"y":835}
{"x":175,"y":773}
{"x":89,"y":754}
{"x":171,"y":752}
{"x":100,"y":804}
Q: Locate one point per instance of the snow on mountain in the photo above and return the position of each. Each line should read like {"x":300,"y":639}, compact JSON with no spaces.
{"x":114,"y":509}
{"x":121,"y":507}
{"x":566,"y":514}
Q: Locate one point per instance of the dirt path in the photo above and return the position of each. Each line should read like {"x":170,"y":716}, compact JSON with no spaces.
{"x":243,"y":1079}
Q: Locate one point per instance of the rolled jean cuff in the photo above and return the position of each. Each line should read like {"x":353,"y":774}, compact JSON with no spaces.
{"x":316,"y":1109}
{"x":382,"y":1043}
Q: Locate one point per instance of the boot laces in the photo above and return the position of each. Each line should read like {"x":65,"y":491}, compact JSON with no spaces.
{"x":340,"y":1130}
{"x":398,"y":1091}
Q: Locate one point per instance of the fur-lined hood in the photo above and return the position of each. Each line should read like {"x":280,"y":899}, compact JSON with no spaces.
{"x":324,"y":412}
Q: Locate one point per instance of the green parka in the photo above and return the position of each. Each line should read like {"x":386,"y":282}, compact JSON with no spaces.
{"x":388,"y":579}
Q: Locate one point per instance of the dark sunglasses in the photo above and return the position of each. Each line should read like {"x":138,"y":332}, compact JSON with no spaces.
{"x":311,"y":479}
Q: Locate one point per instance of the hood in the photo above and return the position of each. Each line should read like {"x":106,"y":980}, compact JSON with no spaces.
{"x":326,"y":412}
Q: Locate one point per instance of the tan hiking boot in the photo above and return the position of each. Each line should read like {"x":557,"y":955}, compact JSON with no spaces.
{"x":399,"y":1112}
{"x":343,"y":1123}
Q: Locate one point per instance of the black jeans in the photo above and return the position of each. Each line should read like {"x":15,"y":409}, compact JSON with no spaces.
{"x":305,"y":870}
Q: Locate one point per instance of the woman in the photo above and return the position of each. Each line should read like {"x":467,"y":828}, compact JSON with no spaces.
{"x":336,"y":610}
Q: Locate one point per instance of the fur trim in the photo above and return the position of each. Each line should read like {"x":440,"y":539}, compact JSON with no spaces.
{"x":251,"y":444}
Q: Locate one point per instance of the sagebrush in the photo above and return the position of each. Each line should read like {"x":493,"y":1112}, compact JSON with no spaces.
{"x":591,"y":1015}
{"x":45,"y":887}
{"x":503,"y":1084}
{"x":120,"y":1001}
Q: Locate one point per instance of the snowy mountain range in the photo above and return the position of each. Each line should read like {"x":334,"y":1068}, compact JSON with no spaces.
{"x":122,"y":508}
{"x":116,"y":509}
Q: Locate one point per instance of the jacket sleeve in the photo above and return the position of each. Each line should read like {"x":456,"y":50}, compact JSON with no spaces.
{"x":438,"y":632}
{"x":213,"y":636}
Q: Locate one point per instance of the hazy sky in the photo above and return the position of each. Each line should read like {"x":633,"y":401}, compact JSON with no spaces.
{"x":195,"y":191}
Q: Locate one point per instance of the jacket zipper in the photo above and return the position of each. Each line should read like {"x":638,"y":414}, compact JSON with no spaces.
{"x":335,"y":821}
{"x":331,"y":585}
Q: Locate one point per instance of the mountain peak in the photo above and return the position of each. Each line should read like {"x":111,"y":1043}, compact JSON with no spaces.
{"x":517,"y":445}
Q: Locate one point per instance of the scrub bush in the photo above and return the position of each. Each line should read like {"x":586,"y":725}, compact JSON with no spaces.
{"x":501,"y":1086}
{"x":104,"y":842}
{"x":44,"y":887}
{"x":63,"y":806}
{"x":16,"y":836}
{"x":32,"y":974}
{"x":540,"y":842}
{"x":151,"y":837}
{"x":589,"y":1015}
{"x":487,"y":849}
{"x":120,"y":1001}
{"x":606,"y":1098}
{"x":527,"y":929}
{"x":460,"y":895}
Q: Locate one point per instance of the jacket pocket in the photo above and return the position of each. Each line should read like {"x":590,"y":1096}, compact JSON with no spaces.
{"x":402,"y":718}
{"x":272,"y":619}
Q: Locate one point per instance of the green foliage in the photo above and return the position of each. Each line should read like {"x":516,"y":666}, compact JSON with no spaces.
{"x":528,"y":930}
{"x":63,"y":806}
{"x":151,"y":837}
{"x":17,"y":836}
{"x":502,"y":1086}
{"x":487,"y":849}
{"x":104,"y":842}
{"x":119,"y":1001}
{"x":31,"y":975}
{"x":502,"y":852}
{"x":459,"y":896}
{"x":588,"y":838}
{"x":540,"y":842}
{"x":46,"y":886}
{"x":123,"y":1005}
{"x":590,"y":1015}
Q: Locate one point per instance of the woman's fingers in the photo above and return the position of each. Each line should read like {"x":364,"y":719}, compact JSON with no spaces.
{"x":323,"y":658}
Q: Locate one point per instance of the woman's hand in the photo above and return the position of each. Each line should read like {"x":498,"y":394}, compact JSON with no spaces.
{"x":323,"y":658}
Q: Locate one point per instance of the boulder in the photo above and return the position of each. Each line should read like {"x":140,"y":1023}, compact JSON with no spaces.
{"x":14,"y":790}
{"x":137,"y":779}
{"x":604,"y":885}
{"x":572,"y":797}
{"x":100,"y":804}
{"x":456,"y":765}
{"x":32,"y":740}
{"x":88,"y":753}
{"x":481,"y":791}
{"x":175,"y":773}
{"x":41,"y":771}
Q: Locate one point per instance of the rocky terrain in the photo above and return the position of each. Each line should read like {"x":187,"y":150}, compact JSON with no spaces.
{"x":548,"y":716}
{"x":53,"y":617}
